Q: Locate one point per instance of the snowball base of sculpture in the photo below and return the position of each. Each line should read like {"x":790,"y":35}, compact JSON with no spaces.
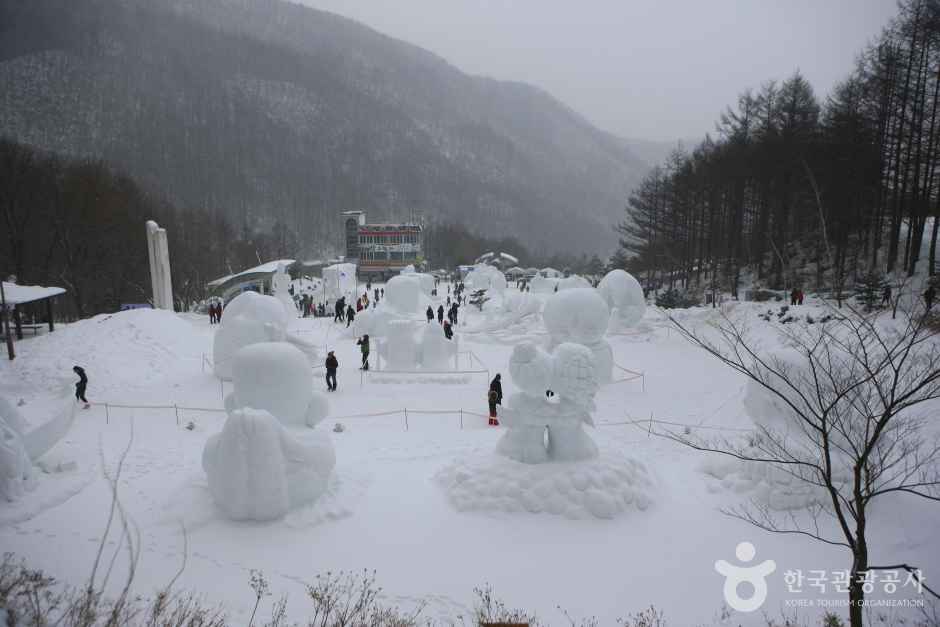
{"x":607,"y":486}
{"x":258,"y":471}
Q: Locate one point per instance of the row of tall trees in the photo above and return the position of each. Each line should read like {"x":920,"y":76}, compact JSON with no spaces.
{"x":79,"y":225}
{"x":804,"y":192}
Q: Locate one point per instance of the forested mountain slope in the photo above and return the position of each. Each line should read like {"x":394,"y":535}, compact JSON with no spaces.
{"x":272,"y":111}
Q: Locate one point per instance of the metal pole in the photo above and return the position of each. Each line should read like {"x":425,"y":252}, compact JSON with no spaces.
{"x":6,"y":322}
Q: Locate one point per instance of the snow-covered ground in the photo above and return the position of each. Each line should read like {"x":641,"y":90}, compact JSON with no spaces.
{"x":390,"y":506}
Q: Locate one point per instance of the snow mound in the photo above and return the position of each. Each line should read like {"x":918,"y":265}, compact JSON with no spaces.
{"x":624,"y":296}
{"x":275,"y":377}
{"x":126,"y":350}
{"x":258,"y":471}
{"x":763,"y":483}
{"x":606,"y":487}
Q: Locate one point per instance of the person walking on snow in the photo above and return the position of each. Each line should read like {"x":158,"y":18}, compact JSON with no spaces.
{"x":448,"y":330}
{"x":331,"y":365}
{"x":81,"y":385}
{"x":495,"y":397}
{"x":430,"y":314}
{"x":440,"y":314}
{"x":350,"y":316}
{"x":886,"y":295}
{"x":929,"y":296}
{"x":497,"y":386}
{"x":363,"y":344}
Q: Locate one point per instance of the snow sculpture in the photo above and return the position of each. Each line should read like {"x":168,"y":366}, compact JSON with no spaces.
{"x":280,"y":283}
{"x":159,"y":267}
{"x":437,"y":352}
{"x":372,"y":322}
{"x":248,"y":319}
{"x":572,"y":282}
{"x":275,"y":377}
{"x":581,"y":316}
{"x":624,"y":296}
{"x":402,"y":294}
{"x":340,"y":280}
{"x":258,"y":471}
{"x":568,"y":372}
{"x":264,"y":461}
{"x":400,"y":350}
{"x":542,"y":285}
{"x":486,"y":277}
{"x":21,"y":447}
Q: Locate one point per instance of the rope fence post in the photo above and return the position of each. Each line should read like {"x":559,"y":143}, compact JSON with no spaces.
{"x":461,"y":417}
{"x":203,"y":363}
{"x":107,"y":415}
{"x":406,"y":418}
{"x":177,"y":410}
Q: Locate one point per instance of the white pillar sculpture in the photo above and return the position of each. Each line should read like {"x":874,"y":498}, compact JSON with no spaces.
{"x":159,"y":266}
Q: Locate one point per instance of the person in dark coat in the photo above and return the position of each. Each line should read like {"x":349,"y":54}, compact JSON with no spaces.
{"x":497,"y":385}
{"x":81,"y":385}
{"x":448,"y":330}
{"x":929,"y":295}
{"x":350,"y":316}
{"x":886,"y":295}
{"x":794,"y":295}
{"x":440,"y":314}
{"x":363,"y":344}
{"x":430,"y":314}
{"x":494,"y":397}
{"x":331,"y":365}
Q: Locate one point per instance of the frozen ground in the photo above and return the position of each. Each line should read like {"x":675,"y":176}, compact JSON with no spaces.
{"x":388,"y":507}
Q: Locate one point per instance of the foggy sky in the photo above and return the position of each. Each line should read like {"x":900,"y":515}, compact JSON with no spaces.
{"x":642,"y":69}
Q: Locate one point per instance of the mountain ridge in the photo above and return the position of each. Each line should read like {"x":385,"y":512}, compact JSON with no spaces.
{"x":274,"y":111}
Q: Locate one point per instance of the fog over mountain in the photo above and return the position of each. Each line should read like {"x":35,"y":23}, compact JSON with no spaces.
{"x":272,"y":111}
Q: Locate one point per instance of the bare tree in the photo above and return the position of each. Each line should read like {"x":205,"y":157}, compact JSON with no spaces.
{"x":851,"y":392}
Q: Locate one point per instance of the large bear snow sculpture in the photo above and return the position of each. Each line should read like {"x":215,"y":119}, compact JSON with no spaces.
{"x":570,"y":374}
{"x":265,"y":461}
{"x":248,"y":319}
{"x":275,"y":377}
{"x":581,"y":316}
{"x":21,"y":446}
{"x":624,"y":296}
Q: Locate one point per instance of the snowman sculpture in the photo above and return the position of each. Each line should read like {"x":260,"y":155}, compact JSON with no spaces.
{"x":267,"y":460}
{"x":581,"y":315}
{"x":545,"y":421}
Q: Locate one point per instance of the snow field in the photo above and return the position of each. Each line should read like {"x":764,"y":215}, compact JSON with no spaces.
{"x":432,"y":509}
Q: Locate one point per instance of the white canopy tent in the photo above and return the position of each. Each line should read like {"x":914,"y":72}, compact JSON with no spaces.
{"x":13,"y":296}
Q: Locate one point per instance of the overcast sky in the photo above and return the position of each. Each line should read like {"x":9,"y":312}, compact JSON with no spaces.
{"x":641,"y":68}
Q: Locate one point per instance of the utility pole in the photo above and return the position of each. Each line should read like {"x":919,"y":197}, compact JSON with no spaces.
{"x":6,"y":322}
